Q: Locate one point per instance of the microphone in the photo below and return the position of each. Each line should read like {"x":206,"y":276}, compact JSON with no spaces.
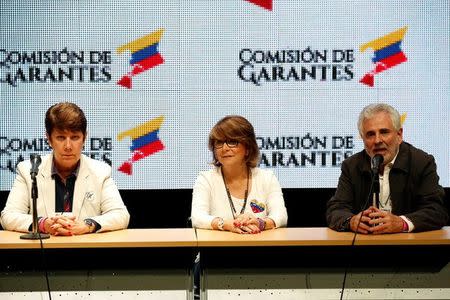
{"x":35,"y":163}
{"x":377,"y":160}
{"x":35,"y":160}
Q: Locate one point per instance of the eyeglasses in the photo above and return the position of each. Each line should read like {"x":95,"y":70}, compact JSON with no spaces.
{"x":230,"y":144}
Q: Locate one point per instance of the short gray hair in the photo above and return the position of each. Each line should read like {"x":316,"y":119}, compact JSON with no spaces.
{"x":370,"y":110}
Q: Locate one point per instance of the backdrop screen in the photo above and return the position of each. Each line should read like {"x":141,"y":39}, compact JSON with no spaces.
{"x":153,"y":77}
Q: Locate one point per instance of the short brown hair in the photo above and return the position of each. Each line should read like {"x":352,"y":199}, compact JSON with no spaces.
{"x":65,"y":116}
{"x":235,"y":128}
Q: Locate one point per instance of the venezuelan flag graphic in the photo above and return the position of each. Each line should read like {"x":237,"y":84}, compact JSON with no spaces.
{"x":387,"y":54}
{"x":267,"y":4}
{"x":145,"y":142}
{"x":144,"y":55}
{"x":402,"y":118}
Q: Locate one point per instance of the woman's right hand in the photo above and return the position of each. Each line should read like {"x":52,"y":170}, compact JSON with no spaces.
{"x":247,"y":224}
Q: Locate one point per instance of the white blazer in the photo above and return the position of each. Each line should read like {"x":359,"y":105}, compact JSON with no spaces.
{"x":210,"y":200}
{"x":95,"y":196}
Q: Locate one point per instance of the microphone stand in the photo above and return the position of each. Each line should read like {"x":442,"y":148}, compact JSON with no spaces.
{"x":34,"y":234}
{"x":376,"y":189}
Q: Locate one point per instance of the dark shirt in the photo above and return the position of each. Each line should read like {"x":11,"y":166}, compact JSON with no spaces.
{"x":64,"y":192}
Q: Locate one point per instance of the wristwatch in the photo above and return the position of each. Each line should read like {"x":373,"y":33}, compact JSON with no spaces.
{"x":346,"y":224}
{"x":261,"y":224}
{"x":90,"y":223}
{"x":220,"y":224}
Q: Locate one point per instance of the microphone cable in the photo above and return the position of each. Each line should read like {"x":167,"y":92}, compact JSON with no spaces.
{"x":44,"y":266}
{"x":354,"y":237}
{"x":35,"y":160}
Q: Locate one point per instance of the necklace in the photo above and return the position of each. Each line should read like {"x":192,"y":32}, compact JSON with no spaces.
{"x":233,"y":209}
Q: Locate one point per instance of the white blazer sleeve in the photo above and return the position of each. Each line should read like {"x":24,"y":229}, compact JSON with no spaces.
{"x":16,"y":215}
{"x":201,"y":201}
{"x":275,"y":201}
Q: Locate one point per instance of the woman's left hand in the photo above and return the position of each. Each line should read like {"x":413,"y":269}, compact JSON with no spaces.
{"x":247,"y":224}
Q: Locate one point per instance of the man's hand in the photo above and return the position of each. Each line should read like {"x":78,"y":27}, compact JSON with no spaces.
{"x":384,"y":222}
{"x":361,"y":226}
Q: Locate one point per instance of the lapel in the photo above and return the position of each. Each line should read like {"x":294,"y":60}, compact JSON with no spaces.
{"x":46,"y":186}
{"x":364,"y":181}
{"x":398,"y":179}
{"x":82,"y":188}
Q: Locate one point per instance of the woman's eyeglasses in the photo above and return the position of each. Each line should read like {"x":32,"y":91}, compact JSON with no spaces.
{"x":230,"y":144}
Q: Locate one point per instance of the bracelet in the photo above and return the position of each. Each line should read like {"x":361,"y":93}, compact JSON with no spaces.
{"x":261,"y":224}
{"x":220,"y":224}
{"x":405,"y":227}
{"x":42,"y":225}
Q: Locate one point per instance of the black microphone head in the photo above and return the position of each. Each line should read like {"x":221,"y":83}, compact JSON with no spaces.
{"x":35,"y":163}
{"x":377,"y":161}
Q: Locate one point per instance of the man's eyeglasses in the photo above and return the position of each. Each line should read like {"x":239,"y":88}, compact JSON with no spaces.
{"x":230,"y":144}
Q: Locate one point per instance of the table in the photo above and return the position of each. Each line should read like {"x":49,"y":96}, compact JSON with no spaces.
{"x":287,"y":263}
{"x":309,"y":263}
{"x":130,"y":264}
